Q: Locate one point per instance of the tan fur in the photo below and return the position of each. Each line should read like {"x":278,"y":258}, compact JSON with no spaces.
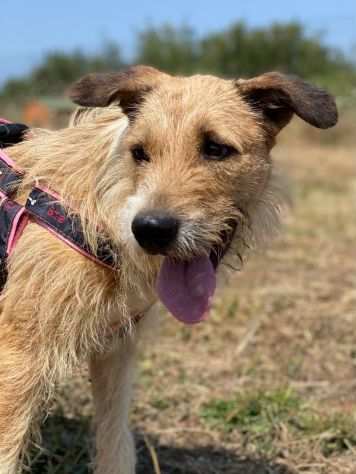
{"x":59,"y":308}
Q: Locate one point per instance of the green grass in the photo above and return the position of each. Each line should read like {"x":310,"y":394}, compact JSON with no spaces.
{"x":337,"y":432}
{"x":255,"y":413}
{"x":260,"y":416}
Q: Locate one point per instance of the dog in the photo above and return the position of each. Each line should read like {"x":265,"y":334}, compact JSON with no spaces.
{"x":176,"y":172}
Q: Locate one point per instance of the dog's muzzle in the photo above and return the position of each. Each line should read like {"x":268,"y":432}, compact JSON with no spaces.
{"x":185,"y":284}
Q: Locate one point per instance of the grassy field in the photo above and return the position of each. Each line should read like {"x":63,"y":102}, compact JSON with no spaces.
{"x":268,"y":384}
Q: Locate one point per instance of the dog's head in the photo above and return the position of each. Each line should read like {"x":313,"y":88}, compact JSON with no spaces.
{"x":196,"y":152}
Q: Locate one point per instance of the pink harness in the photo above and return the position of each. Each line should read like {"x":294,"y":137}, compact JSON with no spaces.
{"x":44,"y":207}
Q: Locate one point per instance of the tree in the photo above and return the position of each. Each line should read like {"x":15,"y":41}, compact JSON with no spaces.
{"x":60,"y":69}
{"x":168,"y":48}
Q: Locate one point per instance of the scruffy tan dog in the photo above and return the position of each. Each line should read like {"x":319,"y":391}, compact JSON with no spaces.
{"x":177,"y":177}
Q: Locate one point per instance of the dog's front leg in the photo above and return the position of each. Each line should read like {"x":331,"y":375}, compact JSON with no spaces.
{"x":111,"y":377}
{"x":22,"y":392}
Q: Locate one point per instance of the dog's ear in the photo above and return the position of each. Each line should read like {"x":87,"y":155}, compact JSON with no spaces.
{"x":126,"y":87}
{"x":279,"y":96}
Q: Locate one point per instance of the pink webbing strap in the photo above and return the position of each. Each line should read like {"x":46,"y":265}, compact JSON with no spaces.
{"x":13,"y":219}
{"x":47,"y":210}
{"x":5,"y":158}
{"x":18,"y":225}
{"x":13,"y":216}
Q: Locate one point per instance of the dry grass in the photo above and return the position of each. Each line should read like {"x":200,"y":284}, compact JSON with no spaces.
{"x":268,"y":384}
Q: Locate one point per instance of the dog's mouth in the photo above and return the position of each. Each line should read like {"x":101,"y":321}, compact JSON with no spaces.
{"x":187,"y":288}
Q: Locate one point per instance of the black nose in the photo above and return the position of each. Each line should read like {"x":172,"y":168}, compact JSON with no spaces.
{"x":155,"y":231}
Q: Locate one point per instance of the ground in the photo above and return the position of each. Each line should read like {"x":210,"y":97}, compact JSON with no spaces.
{"x":268,"y":384}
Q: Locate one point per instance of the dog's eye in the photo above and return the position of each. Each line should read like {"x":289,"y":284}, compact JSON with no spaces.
{"x":216,"y":151}
{"x":139,"y":154}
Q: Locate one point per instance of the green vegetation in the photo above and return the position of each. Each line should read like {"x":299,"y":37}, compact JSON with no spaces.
{"x":255,"y":413}
{"x":243,"y":51}
{"x":58,"y":70}
{"x":261,"y":416}
{"x":235,"y":51}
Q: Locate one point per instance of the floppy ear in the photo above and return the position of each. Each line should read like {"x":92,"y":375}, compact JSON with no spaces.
{"x":279,"y":96}
{"x":126,"y":87}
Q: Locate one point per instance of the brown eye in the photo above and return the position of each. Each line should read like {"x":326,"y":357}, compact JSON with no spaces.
{"x":139,"y":154}
{"x":212,"y":150}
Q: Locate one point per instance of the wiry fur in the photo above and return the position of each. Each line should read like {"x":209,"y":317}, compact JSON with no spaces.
{"x":59,"y":308}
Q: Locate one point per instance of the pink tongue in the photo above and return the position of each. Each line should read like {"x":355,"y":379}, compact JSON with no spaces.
{"x":186,"y":288}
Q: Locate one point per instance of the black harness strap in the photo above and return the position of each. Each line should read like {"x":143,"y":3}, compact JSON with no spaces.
{"x":10,"y":179}
{"x":10,"y":212}
{"x":11,"y":133}
{"x":48,"y":212}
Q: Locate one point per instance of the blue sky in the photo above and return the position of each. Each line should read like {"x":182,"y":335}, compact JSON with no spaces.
{"x":31,"y":28}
